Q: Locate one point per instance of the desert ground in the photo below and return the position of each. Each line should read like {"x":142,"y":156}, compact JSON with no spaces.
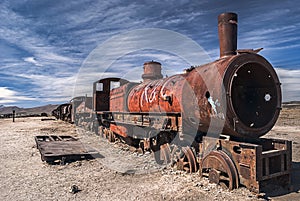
{"x":25,"y":177}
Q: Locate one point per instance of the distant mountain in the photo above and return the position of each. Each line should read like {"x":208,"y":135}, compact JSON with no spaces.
{"x":35,"y":110}
{"x":7,"y":110}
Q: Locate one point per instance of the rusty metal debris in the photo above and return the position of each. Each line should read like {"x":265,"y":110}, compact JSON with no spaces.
{"x":63,"y":149}
{"x":254,"y":164}
{"x":74,"y":189}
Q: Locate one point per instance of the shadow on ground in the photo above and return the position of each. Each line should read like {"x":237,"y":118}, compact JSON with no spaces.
{"x":275,"y":191}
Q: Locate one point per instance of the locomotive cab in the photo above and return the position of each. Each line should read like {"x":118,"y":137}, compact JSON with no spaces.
{"x":101,"y":92}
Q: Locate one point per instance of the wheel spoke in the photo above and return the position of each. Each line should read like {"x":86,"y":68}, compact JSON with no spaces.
{"x":163,"y":155}
{"x":187,"y":169}
{"x":223,"y":178}
{"x":186,"y":163}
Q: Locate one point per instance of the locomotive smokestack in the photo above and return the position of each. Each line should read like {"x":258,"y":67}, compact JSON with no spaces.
{"x":227,"y":25}
{"x":152,"y":71}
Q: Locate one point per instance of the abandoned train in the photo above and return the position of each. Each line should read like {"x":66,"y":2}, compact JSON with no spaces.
{"x":209,"y":119}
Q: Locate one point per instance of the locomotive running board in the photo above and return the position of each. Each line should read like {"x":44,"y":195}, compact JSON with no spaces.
{"x":54,"y":148}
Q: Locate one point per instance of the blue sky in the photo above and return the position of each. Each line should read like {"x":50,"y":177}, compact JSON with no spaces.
{"x":46,"y":45}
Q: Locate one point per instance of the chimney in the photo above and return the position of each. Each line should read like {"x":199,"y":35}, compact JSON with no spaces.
{"x":152,"y":71}
{"x":227,"y":26}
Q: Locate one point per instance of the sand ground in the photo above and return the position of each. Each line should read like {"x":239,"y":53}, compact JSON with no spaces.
{"x":25,"y":177}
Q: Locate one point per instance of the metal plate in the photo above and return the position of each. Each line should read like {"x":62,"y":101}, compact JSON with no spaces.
{"x":63,"y":148}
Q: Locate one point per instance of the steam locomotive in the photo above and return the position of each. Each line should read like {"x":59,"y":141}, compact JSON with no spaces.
{"x":209,"y":119}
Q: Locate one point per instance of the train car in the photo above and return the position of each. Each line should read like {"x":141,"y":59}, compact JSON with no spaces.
{"x":82,"y":112}
{"x":75,"y":102}
{"x":63,"y":112}
{"x":209,"y":119}
{"x":86,"y":116}
{"x":78,"y":111}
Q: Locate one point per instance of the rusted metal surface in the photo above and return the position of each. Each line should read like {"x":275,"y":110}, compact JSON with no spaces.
{"x":243,"y":91}
{"x":152,"y":71}
{"x":154,"y":120}
{"x":254,"y":164}
{"x":227,"y":25}
{"x":63,"y":148}
{"x":157,"y":96}
{"x":122,"y":130}
{"x":118,"y":98}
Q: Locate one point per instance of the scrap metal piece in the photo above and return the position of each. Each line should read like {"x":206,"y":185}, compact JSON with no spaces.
{"x":63,"y":148}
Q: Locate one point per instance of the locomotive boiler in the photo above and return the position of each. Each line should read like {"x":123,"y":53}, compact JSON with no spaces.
{"x":209,"y":118}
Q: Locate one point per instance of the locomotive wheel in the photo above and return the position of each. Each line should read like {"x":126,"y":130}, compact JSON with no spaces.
{"x":220,"y":169}
{"x":111,"y":136}
{"x":163,"y":155}
{"x":184,"y":159}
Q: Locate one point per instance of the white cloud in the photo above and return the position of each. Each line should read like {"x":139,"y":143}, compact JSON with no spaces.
{"x":51,"y":88}
{"x":290,"y":80}
{"x":50,"y":56}
{"x":276,"y":38}
{"x":32,"y":60}
{"x":11,"y":96}
{"x":18,"y":31}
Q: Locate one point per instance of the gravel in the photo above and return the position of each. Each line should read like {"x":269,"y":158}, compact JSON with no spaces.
{"x":119,"y":174}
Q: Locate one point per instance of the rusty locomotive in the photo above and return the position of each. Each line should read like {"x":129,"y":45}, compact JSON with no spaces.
{"x":209,"y":119}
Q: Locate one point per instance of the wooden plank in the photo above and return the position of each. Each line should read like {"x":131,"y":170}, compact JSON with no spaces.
{"x":64,"y":148}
